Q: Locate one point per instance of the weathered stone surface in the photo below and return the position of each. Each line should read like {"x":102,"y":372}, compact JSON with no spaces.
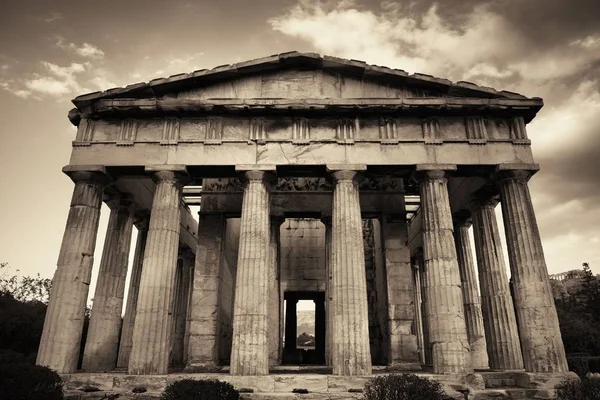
{"x":181,"y":299}
{"x":471,"y":299}
{"x":274,"y":317}
{"x":350,"y":344}
{"x":445,"y":316}
{"x":152,"y":329}
{"x":541,"y":341}
{"x":61,"y":335}
{"x":203,"y":318}
{"x":250,"y":348}
{"x":126,"y":341}
{"x":503,"y":347}
{"x":102,"y":342}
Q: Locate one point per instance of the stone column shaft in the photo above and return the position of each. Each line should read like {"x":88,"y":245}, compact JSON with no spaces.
{"x":328,"y":294}
{"x":424,"y":316}
{"x":102,"y":343}
{"x":203,"y":340}
{"x":180,"y":307}
{"x":274,"y":319}
{"x":132,"y":296}
{"x":291,"y":325}
{"x":250,"y":348}
{"x":418,"y":313}
{"x":400,"y":294}
{"x":151,"y":332}
{"x":499,"y":320}
{"x":63,"y":324}
{"x":320,"y":329}
{"x":471,"y":299}
{"x":351,"y":354}
{"x":447,"y":329}
{"x":186,"y":337}
{"x":541,"y":341}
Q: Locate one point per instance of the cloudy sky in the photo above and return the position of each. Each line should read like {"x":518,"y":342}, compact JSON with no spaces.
{"x":52,"y":51}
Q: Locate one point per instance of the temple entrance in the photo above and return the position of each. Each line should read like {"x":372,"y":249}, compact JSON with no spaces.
{"x":304,"y":348}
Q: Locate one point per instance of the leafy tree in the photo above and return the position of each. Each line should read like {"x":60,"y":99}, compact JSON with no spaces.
{"x":305,"y":340}
{"x":24,"y":288}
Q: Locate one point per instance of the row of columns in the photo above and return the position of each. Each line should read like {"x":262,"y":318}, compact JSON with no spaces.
{"x":452,"y":325}
{"x":492,"y":338}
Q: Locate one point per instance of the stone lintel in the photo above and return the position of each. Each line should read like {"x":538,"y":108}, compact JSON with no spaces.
{"x":433,"y":171}
{"x":515,"y":170}
{"x":346,"y":167}
{"x":435,"y":167}
{"x":255,"y":167}
{"x":114,"y":199}
{"x":91,"y":173}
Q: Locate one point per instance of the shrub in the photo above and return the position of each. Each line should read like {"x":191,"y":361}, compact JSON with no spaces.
{"x":579,"y":365}
{"x":403,"y":387}
{"x":21,"y":381}
{"x":594,"y":364}
{"x":210,"y":389}
{"x":586,"y":389}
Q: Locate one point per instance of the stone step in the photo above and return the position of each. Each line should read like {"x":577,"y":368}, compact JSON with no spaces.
{"x":513,"y":393}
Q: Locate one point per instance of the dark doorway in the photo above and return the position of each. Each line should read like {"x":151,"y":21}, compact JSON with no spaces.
{"x":308,"y":352}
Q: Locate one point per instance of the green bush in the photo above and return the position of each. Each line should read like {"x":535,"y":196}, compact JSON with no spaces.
{"x":403,"y":387}
{"x":21,"y":381}
{"x":210,"y":389}
{"x":586,"y":389}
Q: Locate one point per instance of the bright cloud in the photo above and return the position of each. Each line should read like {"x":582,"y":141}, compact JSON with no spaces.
{"x":58,"y":81}
{"x":85,"y":50}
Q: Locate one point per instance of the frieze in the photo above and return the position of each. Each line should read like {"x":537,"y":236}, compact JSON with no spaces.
{"x":476,"y":130}
{"x":170,"y":131}
{"x":431,"y":131}
{"x":127,"y":132}
{"x":222,"y":185}
{"x":303,"y":185}
{"x":382,"y":184}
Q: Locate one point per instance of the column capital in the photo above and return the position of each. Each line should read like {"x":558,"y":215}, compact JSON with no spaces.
{"x":516,"y":172}
{"x":114,"y":199}
{"x":94,"y":174}
{"x":426,"y":172}
{"x":265,"y":176}
{"x":462,"y":218}
{"x":141,"y":220}
{"x":170,"y":172}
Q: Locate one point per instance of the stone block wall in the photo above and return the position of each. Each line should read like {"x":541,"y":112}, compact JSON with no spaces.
{"x":302,"y":249}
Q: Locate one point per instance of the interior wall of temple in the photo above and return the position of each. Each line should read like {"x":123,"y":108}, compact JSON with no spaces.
{"x":302,"y":249}
{"x":226,"y":288}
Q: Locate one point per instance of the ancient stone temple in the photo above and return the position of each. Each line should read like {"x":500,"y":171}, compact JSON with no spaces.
{"x":318,"y":178}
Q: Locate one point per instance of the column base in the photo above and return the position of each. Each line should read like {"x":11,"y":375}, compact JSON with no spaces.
{"x":203,"y":367}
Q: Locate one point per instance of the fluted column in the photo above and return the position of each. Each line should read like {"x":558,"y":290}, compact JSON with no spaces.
{"x":102,"y":343}
{"x":328,"y":293}
{"x":203,"y":320}
{"x":424,"y":316}
{"x":499,"y":320}
{"x":470,"y":293}
{"x":180,"y":307}
{"x":63,"y":324}
{"x":541,"y":341}
{"x":291,"y":327}
{"x":351,"y":354}
{"x":447,"y":329}
{"x":274,"y":307}
{"x":250,"y":349}
{"x":418,"y":313}
{"x":132,"y":297}
{"x":151,"y":332}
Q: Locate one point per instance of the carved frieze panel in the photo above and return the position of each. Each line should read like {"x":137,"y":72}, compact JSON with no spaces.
{"x":214,"y":130}
{"x":85,"y":132}
{"x":303,"y":185}
{"x":431,"y":131}
{"x":222,"y":185}
{"x":381,"y":184}
{"x":127,"y":133}
{"x":345,"y":130}
{"x":257,"y":130}
{"x":170,"y":131}
{"x":476,"y":130}
{"x":300,"y":131}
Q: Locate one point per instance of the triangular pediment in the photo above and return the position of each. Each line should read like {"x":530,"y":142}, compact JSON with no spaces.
{"x":298,"y":76}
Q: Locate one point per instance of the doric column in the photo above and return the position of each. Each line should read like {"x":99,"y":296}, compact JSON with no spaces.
{"x":250,"y":349}
{"x":291,"y":326}
{"x":499,"y":320}
{"x":417,"y":306}
{"x":470,"y":294}
{"x":203,"y":340}
{"x":134,"y":286}
{"x":447,"y":329}
{"x":328,"y":293}
{"x":151,"y":332}
{"x":399,"y":279}
{"x":424,"y":316}
{"x":541,"y":341}
{"x":320,"y":329}
{"x":102,"y":343}
{"x":351,"y":354}
{"x":180,"y":307}
{"x":186,"y":336}
{"x":274,"y":307}
{"x":63,"y":324}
